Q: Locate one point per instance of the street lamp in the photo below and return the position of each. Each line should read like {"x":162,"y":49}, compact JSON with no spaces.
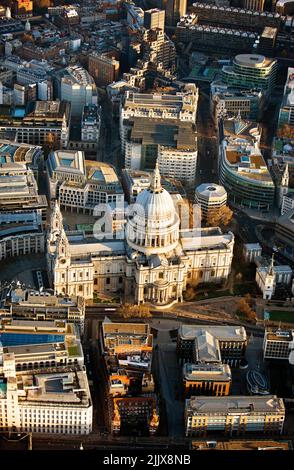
{"x":81,"y":446}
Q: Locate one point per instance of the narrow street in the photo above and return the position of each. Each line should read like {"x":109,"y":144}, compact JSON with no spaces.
{"x":207,"y":144}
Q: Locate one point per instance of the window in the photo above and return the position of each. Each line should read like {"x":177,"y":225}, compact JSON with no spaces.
{"x":108,"y":280}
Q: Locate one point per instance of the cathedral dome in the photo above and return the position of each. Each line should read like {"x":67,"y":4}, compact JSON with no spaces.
{"x":156,"y":203}
{"x":153,"y":226}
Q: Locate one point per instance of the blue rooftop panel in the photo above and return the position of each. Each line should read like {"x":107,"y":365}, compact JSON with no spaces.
{"x":20,"y":339}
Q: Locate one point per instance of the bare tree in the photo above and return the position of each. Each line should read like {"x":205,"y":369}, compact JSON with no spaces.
{"x":219,"y":217}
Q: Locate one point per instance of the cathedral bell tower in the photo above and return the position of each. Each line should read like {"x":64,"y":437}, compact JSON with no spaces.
{"x":57,"y":244}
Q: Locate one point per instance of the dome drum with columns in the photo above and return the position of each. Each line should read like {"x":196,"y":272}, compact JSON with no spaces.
{"x":154,"y":263}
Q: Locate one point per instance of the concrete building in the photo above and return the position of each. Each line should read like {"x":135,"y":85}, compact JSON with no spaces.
{"x":206,"y":37}
{"x":251,"y":251}
{"x":175,"y":9}
{"x":19,"y":190}
{"x":214,"y":344}
{"x":103,"y":68}
{"x":286,"y":114}
{"x":242,"y":169}
{"x":287,"y":203}
{"x":206,"y":379}
{"x":35,"y":305}
{"x":256,"y":5}
{"x":251,"y":71}
{"x":78,"y":87}
{"x":22,"y":8}
{"x":239,"y":17}
{"x":284,"y":234}
{"x":234,"y":415}
{"x":159,"y":49}
{"x":81,"y":184}
{"x":41,"y":344}
{"x":30,"y":155}
{"x":152,"y":261}
{"x":154,"y":19}
{"x":127,"y":353}
{"x":91,"y":123}
{"x":285,"y":7}
{"x":210,"y":197}
{"x":267,"y":42}
{"x":44,"y":386}
{"x":21,"y":233}
{"x":161,"y":127}
{"x":42,"y":122}
{"x":134,"y":182}
{"x":228,"y":102}
{"x":278,"y":344}
{"x":242,"y":444}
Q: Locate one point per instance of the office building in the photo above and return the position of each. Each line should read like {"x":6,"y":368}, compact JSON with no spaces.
{"x":234,"y":415}
{"x":139,"y":411}
{"x":31,"y":155}
{"x":91,"y":123}
{"x":103,"y":68}
{"x":243,"y":444}
{"x":172,"y":144}
{"x":154,"y":19}
{"x":210,"y":197}
{"x":127,"y":353}
{"x":134,"y":182}
{"x":252,"y":251}
{"x":81,"y":185}
{"x":286,"y":113}
{"x":22,"y":8}
{"x":214,"y":344}
{"x":243,"y":171}
{"x":40,"y":344}
{"x":284,"y":234}
{"x":278,"y":344}
{"x":285,"y":7}
{"x":251,"y":71}
{"x":19,"y":190}
{"x":206,"y":379}
{"x":159,"y":49}
{"x":228,"y":102}
{"x":29,"y":304}
{"x":161,"y":126}
{"x":135,"y":16}
{"x":78,"y":87}
{"x":287,"y":203}
{"x":133,"y":265}
{"x":41,"y":123}
{"x":44,"y":386}
{"x":175,"y":9}
{"x":267,"y":41}
{"x":21,"y":232}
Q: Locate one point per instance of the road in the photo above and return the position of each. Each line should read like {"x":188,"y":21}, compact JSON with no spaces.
{"x":170,"y":382}
{"x":207,"y":144}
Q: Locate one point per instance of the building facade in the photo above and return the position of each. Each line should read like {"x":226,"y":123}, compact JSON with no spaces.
{"x":210,"y":197}
{"x":278,"y":344}
{"x":234,"y":415}
{"x":220,"y":344}
{"x":206,"y":379}
{"x":153,"y":260}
